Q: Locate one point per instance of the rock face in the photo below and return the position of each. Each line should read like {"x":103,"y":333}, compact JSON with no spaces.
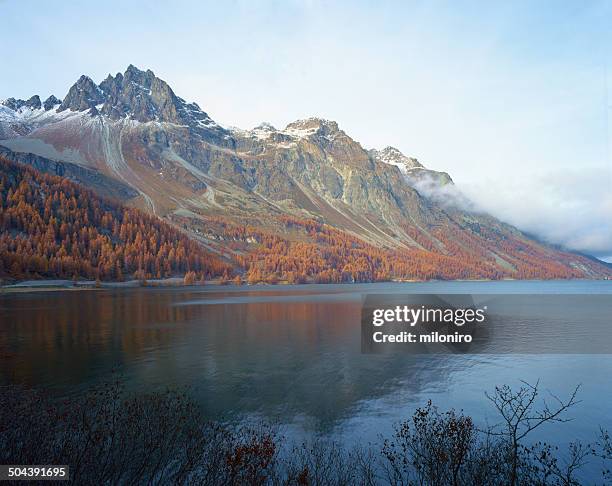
{"x":133,"y":128}
{"x":33,"y":103}
{"x":392,"y":156}
{"x":90,"y":178}
{"x":140,"y":96}
{"x":51,"y":102}
{"x":144,"y":97}
{"x":83,"y":95}
{"x":415,"y":174}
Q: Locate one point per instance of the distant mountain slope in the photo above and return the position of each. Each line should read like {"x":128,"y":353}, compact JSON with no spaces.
{"x":90,"y":178}
{"x":51,"y":227}
{"x":187,"y":169}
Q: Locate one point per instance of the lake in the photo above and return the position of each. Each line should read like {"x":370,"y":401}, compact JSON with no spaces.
{"x":285,"y":354}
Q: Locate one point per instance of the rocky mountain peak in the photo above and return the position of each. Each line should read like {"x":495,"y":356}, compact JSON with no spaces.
{"x":427,"y":181}
{"x":32,"y":103}
{"x":265,"y":127}
{"x":83,"y":95}
{"x":392,"y":156}
{"x":135,"y":94}
{"x":141,"y":96}
{"x":51,"y":102}
{"x":313,"y":126}
{"x":133,"y":71}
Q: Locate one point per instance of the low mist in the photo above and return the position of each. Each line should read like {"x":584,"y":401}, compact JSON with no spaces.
{"x":572,"y":208}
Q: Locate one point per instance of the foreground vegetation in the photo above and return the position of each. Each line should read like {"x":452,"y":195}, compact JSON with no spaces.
{"x":110,"y":437}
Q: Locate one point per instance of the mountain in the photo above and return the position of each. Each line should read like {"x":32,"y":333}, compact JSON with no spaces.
{"x":153,"y":150}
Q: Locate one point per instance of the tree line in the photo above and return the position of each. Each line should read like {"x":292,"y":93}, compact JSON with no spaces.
{"x":51,"y":227}
{"x":320,"y":253}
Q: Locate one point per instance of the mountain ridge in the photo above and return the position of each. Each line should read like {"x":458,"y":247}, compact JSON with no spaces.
{"x":187,"y":169}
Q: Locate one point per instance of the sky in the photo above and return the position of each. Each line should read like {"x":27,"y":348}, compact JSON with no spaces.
{"x":510,"y":98}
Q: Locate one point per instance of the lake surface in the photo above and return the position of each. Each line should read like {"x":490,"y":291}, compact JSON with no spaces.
{"x":286,"y":354}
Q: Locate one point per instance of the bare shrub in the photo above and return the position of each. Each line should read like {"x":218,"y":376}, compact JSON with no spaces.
{"x":111,"y":437}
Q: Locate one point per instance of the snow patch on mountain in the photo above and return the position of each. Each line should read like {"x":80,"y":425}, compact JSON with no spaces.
{"x":392,"y":156}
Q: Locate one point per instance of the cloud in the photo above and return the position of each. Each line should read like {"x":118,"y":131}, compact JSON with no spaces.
{"x":431,"y":185}
{"x":568,"y":207}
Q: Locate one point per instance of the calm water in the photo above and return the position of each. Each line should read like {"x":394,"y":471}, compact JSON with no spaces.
{"x":290,"y":355}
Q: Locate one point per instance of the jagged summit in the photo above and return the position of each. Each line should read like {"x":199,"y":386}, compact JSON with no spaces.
{"x":32,"y":103}
{"x":137,"y":95}
{"x":134,"y":95}
{"x":301,"y":127}
{"x":19,"y":117}
{"x":313,"y":123}
{"x":298,"y":129}
{"x":391,"y":155}
{"x":313,"y":126}
{"x":265,"y":126}
{"x":142,"y":96}
{"x":415,"y":173}
{"x":51,"y":102}
{"x":83,"y":95}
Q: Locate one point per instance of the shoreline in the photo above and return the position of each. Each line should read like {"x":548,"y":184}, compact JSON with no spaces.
{"x":177,"y":282}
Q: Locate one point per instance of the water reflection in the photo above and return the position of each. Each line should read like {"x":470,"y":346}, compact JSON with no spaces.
{"x":276,"y":355}
{"x":291,"y":355}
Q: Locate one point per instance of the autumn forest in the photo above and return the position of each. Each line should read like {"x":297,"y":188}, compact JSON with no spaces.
{"x":54,"y":228}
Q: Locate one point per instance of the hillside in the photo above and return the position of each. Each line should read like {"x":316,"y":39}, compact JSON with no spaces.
{"x":131,"y":137}
{"x":53,"y":228}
